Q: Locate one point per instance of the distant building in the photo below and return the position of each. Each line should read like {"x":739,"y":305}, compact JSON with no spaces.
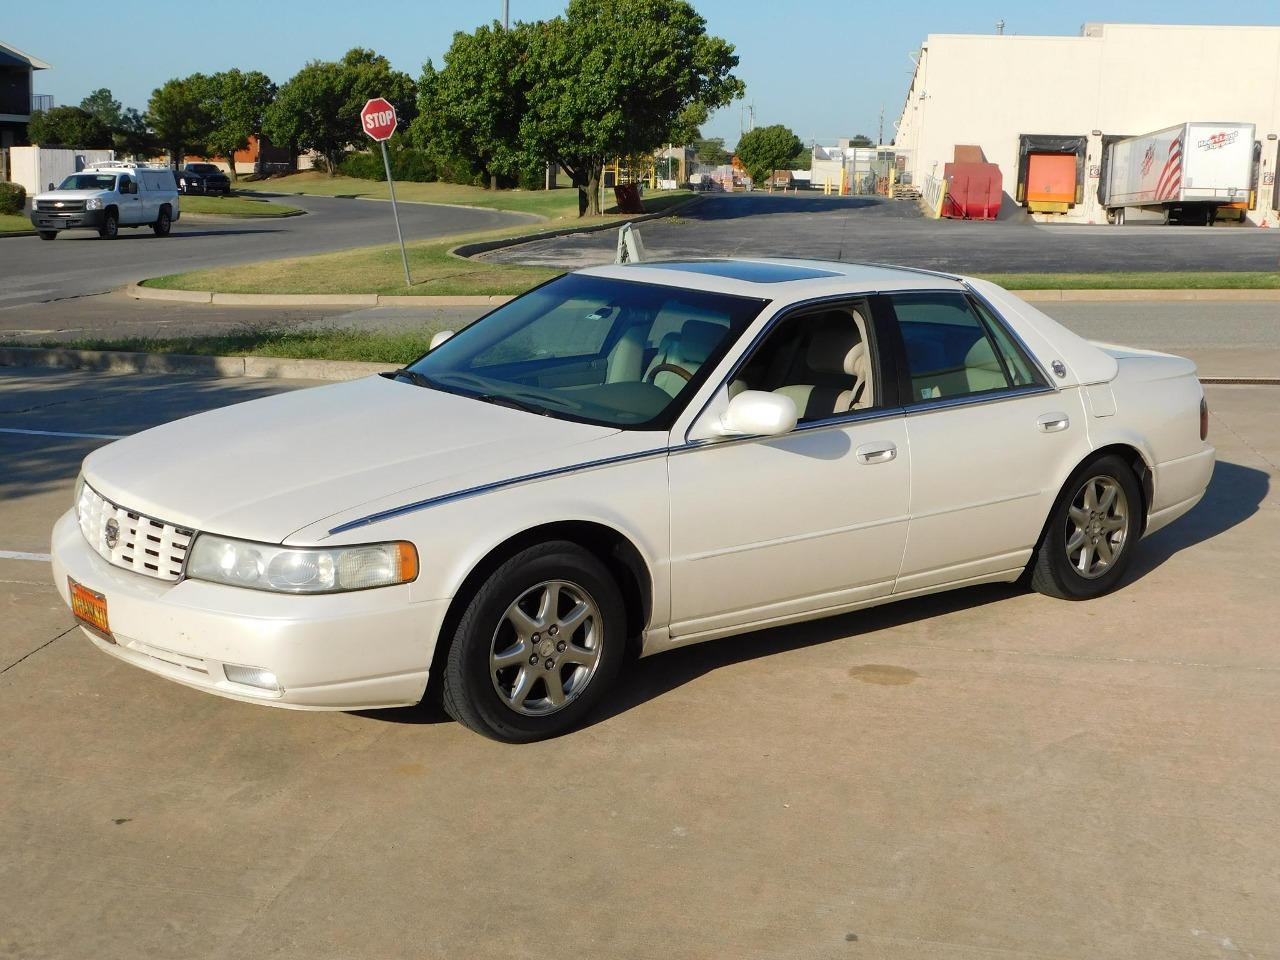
{"x":17,"y":100}
{"x":1059,"y":100}
{"x":259,"y":157}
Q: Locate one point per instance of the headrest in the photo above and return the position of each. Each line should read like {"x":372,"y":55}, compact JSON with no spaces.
{"x":835,"y":334}
{"x":697,"y":339}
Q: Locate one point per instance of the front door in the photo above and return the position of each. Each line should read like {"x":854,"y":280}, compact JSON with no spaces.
{"x":769,"y":528}
{"x":129,"y":201}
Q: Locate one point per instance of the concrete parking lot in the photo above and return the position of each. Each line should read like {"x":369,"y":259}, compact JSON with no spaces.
{"x":889,"y":231}
{"x":986,"y":774}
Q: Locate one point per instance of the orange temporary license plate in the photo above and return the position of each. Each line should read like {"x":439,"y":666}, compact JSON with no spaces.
{"x":90,"y":608}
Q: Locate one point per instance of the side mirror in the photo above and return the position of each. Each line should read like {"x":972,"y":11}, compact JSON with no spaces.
{"x":758,"y":413}
{"x":438,"y":339}
{"x":51,"y":187}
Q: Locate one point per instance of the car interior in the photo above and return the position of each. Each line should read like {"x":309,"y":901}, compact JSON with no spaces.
{"x":820,"y":360}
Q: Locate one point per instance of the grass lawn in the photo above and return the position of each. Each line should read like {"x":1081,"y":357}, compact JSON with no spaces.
{"x":14,"y":223}
{"x":559,"y":204}
{"x":1136,"y":281}
{"x":397,"y":348}
{"x":235,"y":206}
{"x":377,"y":269}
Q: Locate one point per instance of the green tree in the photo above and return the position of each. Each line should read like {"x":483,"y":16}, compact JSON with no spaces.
{"x":472,"y":108}
{"x":861,"y":140}
{"x":614,"y":78}
{"x":178,"y":114}
{"x":131,"y":137}
{"x":104,"y":106}
{"x":766,"y":149}
{"x":236,"y":104}
{"x":68,"y":127}
{"x":319,"y":108}
{"x":711,"y":151}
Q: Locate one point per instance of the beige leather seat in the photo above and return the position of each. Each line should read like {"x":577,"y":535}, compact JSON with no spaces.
{"x":836,"y":360}
{"x":687,"y":349}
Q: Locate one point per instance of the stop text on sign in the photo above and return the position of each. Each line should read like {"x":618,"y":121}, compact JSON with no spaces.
{"x":380,"y":119}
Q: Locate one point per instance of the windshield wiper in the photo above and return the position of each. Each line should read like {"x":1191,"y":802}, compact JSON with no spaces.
{"x":502,"y":400}
{"x":414,"y":377}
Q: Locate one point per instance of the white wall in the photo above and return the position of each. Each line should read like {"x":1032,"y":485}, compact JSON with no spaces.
{"x":1121,"y":79}
{"x":36,"y":167}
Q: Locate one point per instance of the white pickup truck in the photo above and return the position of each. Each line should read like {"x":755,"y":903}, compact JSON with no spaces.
{"x":106,"y":197}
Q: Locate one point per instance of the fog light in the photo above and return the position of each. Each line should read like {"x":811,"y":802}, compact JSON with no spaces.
{"x":252,"y":676}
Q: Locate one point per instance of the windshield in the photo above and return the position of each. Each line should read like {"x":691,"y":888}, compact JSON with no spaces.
{"x":88,"y":181}
{"x":202,"y":168}
{"x":604,"y":351}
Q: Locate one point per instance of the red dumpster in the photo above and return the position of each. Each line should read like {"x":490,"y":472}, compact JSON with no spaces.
{"x":628,"y":197}
{"x":973,"y":191}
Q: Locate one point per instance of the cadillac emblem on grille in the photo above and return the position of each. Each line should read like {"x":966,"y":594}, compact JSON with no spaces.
{"x":113,"y":533}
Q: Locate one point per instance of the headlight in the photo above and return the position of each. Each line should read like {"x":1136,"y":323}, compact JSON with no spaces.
{"x":261,"y":566}
{"x":93,"y":203}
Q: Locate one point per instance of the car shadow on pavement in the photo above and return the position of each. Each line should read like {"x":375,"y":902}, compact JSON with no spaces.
{"x":1234,"y":495}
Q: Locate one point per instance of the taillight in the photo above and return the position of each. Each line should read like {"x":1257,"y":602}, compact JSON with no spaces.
{"x":1204,"y":419}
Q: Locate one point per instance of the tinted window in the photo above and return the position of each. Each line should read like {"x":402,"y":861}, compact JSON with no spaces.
{"x":88,"y":181}
{"x":1021,"y":370}
{"x":949,"y":353}
{"x":589,"y":348}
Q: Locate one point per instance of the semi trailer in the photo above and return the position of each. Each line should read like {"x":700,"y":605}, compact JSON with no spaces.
{"x":1194,"y":173}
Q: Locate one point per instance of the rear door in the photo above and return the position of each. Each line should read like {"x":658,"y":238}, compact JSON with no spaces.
{"x":991,"y":440}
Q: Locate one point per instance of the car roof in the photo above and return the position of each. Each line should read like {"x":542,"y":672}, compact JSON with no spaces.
{"x":777,"y":278}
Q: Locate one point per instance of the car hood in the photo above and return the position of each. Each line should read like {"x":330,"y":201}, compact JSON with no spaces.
{"x":69,"y":194}
{"x":267,"y":468}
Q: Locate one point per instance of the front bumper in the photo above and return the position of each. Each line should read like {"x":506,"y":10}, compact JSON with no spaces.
{"x":347,"y":651}
{"x":51,"y":220}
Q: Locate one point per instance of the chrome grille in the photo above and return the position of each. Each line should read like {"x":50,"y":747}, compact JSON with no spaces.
{"x":142,"y":544}
{"x":60,"y":206}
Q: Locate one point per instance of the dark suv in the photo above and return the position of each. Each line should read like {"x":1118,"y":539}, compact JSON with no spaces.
{"x":203,"y":178}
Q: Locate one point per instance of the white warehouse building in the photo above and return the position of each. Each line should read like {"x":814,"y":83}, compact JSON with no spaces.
{"x":1011,"y":95}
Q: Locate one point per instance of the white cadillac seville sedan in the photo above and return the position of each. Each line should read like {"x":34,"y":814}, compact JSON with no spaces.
{"x":627,"y":459}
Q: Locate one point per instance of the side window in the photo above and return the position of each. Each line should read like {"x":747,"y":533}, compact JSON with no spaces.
{"x":820,"y":359}
{"x":126,"y":186}
{"x":949,"y":353}
{"x":1021,"y":370}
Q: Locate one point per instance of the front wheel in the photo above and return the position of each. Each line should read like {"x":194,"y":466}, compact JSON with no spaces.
{"x":110,"y":226}
{"x":538,"y":646}
{"x":1091,"y":534}
{"x":48,"y":234}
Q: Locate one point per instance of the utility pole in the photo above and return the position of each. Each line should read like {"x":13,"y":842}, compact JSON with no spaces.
{"x":1000,"y":27}
{"x":880,"y":135}
{"x":506,"y":10}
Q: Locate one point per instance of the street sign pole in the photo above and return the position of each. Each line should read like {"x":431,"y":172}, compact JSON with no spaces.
{"x":404,"y":257}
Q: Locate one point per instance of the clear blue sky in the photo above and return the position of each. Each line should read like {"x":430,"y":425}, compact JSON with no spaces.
{"x":823,"y":67}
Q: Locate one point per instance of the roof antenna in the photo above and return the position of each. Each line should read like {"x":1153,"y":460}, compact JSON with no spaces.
{"x":1000,"y":27}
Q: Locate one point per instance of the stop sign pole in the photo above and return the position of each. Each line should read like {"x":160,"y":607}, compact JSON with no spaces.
{"x":378,"y":120}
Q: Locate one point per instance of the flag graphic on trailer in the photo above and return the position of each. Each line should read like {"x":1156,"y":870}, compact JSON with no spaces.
{"x":1170,"y":181}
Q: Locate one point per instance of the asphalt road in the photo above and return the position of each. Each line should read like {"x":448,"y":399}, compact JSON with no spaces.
{"x":984,"y":775}
{"x":886,"y":231}
{"x":78,"y":263}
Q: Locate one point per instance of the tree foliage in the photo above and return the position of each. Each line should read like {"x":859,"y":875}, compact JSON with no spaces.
{"x":472,"y":107}
{"x":178,"y":113}
{"x":104,"y":106}
{"x":711,"y":151}
{"x":319,"y":108}
{"x":861,"y":140}
{"x":68,"y":127}
{"x":614,"y":78}
{"x":766,"y":149}
{"x":127,"y":127}
{"x":235,"y":104}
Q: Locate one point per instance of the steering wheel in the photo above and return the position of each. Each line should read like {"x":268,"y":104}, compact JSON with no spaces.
{"x":668,"y":368}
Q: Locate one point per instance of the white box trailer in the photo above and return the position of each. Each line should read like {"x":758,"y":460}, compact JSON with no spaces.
{"x":1192,"y":173}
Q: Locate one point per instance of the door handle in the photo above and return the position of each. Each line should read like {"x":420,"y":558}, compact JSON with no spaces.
{"x":1053,"y":422}
{"x":876,"y":452}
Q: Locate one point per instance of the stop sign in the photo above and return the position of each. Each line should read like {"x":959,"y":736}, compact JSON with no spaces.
{"x":378,"y":119}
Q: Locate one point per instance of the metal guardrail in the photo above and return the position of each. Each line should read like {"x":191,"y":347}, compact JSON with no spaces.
{"x":41,"y":101}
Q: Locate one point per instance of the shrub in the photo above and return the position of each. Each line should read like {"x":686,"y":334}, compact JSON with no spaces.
{"x":407,"y":163}
{"x":13,"y":197}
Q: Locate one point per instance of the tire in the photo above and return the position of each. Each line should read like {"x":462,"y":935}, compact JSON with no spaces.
{"x":1120,"y":217}
{"x":110,"y":228}
{"x":163,"y":223}
{"x":48,"y":234}
{"x":483,"y":694}
{"x":1071,"y":561}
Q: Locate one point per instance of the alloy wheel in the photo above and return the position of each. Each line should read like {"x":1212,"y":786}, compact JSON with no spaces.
{"x":1097,"y":526}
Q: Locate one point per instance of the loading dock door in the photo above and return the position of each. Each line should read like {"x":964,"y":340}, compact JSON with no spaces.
{"x":1057,"y":187}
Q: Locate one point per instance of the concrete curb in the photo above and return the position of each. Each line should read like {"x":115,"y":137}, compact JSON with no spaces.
{"x":138,"y":292}
{"x":17,"y":233}
{"x":111,"y":361}
{"x":1263,"y":296}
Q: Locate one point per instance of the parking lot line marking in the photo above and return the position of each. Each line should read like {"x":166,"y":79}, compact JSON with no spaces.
{"x":19,"y":555}
{"x":63,"y":433}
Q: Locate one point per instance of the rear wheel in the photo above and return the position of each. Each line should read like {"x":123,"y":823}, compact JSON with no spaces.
{"x":110,"y":226}
{"x":1090,"y":537}
{"x":48,"y":234}
{"x":1120,"y":217}
{"x":539,"y":645}
{"x":163,"y":223}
